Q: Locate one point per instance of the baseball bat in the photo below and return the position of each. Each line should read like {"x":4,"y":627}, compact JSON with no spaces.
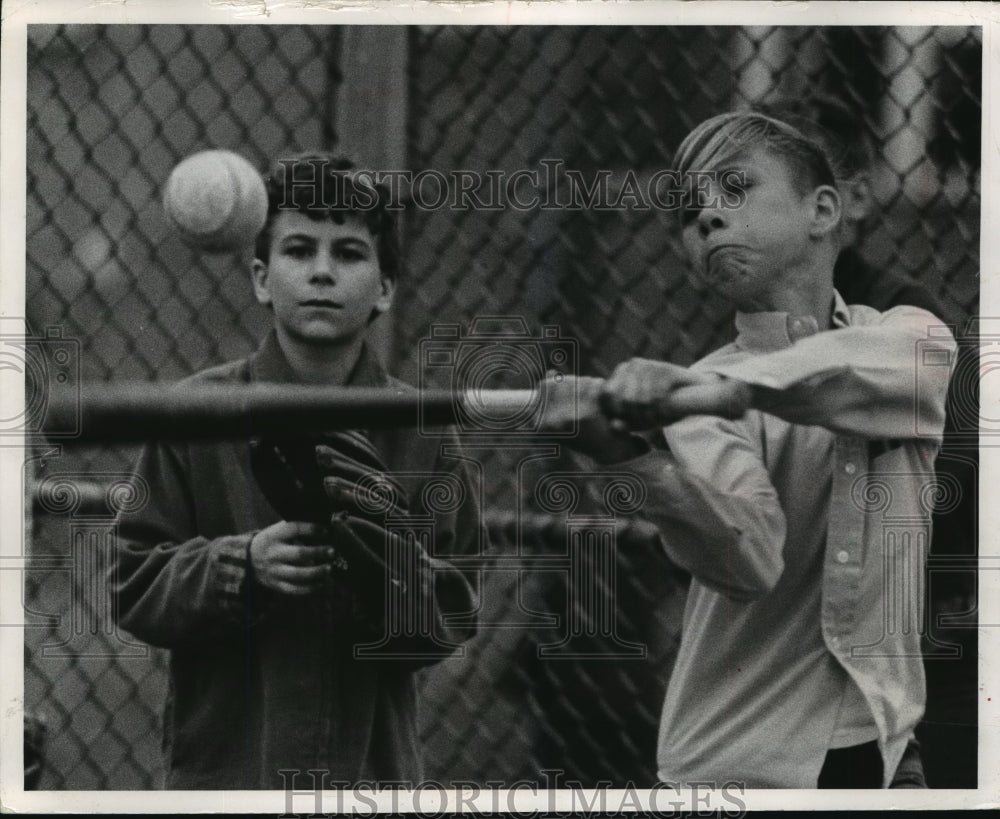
{"x":137,"y":411}
{"x":132,"y":412}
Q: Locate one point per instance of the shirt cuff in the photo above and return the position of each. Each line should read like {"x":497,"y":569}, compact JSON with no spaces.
{"x":649,"y":461}
{"x":234,"y":584}
{"x":762,"y":372}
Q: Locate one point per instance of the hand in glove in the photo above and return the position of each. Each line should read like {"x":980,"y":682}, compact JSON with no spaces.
{"x":337,"y":481}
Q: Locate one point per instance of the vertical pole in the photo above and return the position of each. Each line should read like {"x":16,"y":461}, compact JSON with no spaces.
{"x":370,"y":112}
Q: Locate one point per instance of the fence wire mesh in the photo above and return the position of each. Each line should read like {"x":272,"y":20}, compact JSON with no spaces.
{"x":111,"y":110}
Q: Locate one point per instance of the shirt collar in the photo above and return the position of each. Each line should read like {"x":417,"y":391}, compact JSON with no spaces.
{"x":776,"y":330}
{"x":269,"y":364}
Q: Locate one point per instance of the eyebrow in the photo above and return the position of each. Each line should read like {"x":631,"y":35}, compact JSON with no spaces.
{"x":307,"y":237}
{"x":734,"y":163}
{"x":298,"y":237}
{"x":743,"y":172}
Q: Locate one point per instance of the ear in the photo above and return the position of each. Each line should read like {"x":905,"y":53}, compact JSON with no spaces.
{"x":826,"y":211}
{"x":261,"y":290}
{"x":857,"y":198}
{"x":385,"y":299}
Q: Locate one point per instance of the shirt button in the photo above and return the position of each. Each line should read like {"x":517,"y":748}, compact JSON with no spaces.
{"x":843,"y":556}
{"x":799,"y":327}
{"x":850,"y":468}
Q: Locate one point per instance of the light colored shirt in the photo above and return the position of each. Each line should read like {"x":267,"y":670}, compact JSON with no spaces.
{"x":806,"y":529}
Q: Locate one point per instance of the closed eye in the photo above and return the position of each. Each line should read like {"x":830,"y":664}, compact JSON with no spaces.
{"x":735,"y":181}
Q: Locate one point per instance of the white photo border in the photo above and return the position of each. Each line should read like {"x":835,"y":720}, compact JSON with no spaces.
{"x":16,"y":17}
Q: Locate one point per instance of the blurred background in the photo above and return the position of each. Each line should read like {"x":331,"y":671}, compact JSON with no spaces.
{"x":111,"y":110}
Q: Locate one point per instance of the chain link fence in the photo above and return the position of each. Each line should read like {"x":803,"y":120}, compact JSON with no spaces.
{"x":111,"y":109}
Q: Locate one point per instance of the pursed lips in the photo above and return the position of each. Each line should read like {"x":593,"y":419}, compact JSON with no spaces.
{"x":327,"y":303}
{"x":719,"y":259}
{"x":716,"y":248}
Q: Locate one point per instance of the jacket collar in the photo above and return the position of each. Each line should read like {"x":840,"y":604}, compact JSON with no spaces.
{"x":776,"y":331}
{"x":269,"y":364}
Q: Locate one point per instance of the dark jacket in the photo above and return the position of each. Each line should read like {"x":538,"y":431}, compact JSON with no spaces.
{"x":261,"y":682}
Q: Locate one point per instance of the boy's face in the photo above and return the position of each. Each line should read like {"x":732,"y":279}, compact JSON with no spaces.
{"x":323,"y":280}
{"x":746,"y":252}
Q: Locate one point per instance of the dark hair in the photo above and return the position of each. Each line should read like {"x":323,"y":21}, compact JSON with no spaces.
{"x":828,"y":120}
{"x":724,"y":135}
{"x":326,"y":186}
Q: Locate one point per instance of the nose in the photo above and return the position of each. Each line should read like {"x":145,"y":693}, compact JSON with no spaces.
{"x":323,"y":268}
{"x":710,"y":219}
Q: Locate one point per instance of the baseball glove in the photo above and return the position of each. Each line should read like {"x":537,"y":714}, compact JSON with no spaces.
{"x":340,"y":481}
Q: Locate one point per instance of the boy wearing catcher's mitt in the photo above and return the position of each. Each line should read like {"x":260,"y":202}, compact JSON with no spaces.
{"x":279,"y":572}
